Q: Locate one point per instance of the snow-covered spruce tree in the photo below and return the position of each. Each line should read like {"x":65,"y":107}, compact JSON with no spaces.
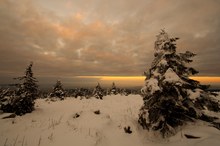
{"x":171,"y":98}
{"x":58,"y":90}
{"x":98,"y":92}
{"x":22,"y":101}
{"x":114,"y":89}
{"x":5,"y":98}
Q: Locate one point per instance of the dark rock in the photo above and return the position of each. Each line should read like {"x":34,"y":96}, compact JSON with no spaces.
{"x":97,"y":112}
{"x":127,"y":130}
{"x":76,"y":115}
{"x":9,"y":116}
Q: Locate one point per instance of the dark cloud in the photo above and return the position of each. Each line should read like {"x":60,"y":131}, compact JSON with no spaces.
{"x":74,"y":38}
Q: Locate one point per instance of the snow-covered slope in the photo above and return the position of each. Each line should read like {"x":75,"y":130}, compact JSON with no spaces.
{"x":56,"y":124}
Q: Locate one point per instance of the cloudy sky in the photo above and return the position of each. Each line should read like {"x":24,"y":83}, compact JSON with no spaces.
{"x":73,"y":40}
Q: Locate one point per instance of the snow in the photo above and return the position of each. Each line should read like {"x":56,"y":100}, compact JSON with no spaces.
{"x":194,"y":94}
{"x":172,"y":77}
{"x":151,"y":86}
{"x":156,"y":73}
{"x":163,"y":62}
{"x":218,"y":95}
{"x":54,"y":124}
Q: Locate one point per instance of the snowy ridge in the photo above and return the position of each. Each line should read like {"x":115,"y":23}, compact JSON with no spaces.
{"x":55,"y":124}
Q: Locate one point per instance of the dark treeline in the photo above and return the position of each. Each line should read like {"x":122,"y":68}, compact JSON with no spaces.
{"x":87,"y":93}
{"x":19,"y":98}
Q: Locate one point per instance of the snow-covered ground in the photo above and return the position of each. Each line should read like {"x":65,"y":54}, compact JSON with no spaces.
{"x":56,"y":124}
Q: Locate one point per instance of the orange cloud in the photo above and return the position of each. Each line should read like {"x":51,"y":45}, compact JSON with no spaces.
{"x":63,"y":31}
{"x":68,"y":4}
{"x":79,"y":16}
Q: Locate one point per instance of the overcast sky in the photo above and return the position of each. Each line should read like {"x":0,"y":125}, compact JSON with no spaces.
{"x":69,"y":38}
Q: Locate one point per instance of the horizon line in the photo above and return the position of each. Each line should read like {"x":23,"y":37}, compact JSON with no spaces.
{"x":213,"y":79}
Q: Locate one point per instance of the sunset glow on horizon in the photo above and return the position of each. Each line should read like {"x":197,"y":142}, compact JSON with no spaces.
{"x":207,"y":79}
{"x":118,"y":78}
{"x":139,"y":80}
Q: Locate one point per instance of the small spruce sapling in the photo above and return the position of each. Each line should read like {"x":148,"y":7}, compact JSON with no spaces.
{"x":98,"y":92}
{"x":114,"y":89}
{"x":58,"y":90}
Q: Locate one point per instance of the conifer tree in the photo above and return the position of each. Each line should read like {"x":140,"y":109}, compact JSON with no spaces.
{"x":171,"y":98}
{"x":29,"y":85}
{"x":22,"y":101}
{"x":98,"y":92}
{"x":113,"y":89}
{"x":58,"y":90}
